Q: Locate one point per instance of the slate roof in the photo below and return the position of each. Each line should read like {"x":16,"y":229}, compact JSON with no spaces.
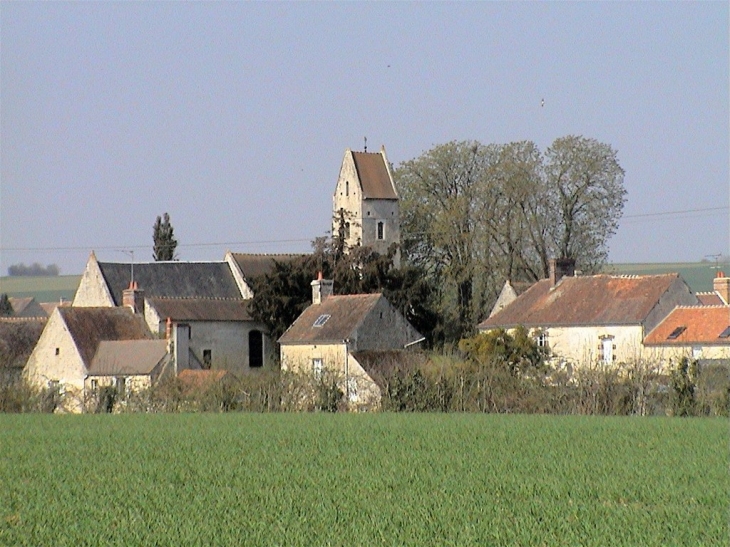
{"x":585,"y":300}
{"x":18,"y":337}
{"x":90,"y":326}
{"x":346,"y":313}
{"x":127,"y":357}
{"x":702,"y":325}
{"x":202,"y":309}
{"x":253,"y":265}
{"x":374,"y":177}
{"x":172,"y":279}
{"x":26,"y":307}
{"x":710,"y":299}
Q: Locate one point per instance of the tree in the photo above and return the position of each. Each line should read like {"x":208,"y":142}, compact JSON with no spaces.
{"x":474,"y":216}
{"x":6,"y":308}
{"x":164,"y":239}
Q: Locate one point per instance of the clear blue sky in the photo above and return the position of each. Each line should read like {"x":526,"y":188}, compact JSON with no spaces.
{"x":233,"y":117}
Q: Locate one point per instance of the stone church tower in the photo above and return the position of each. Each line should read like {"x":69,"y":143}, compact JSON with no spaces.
{"x":366,"y":196}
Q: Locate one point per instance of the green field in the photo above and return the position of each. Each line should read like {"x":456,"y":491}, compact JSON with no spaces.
{"x":43,"y":289}
{"x":698,"y":275}
{"x":382,"y":479}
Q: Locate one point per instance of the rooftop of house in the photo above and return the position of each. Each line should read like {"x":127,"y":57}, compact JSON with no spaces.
{"x":374,"y":176}
{"x":254,"y":265}
{"x":333,"y":320}
{"x":90,"y":326}
{"x":201,"y":309}
{"x":18,"y":337}
{"x":127,"y":357}
{"x":710,"y":299}
{"x":687,"y":325}
{"x":584,"y":300}
{"x":172,"y":279}
{"x":26,"y":306}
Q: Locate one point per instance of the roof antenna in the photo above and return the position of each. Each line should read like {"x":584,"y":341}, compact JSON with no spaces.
{"x":366,"y":144}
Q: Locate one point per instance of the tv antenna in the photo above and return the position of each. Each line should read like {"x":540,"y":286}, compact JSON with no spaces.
{"x":716,"y":258}
{"x":129,"y":252}
{"x":366,"y":144}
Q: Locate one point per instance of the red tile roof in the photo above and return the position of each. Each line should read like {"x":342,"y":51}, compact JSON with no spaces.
{"x":374,"y":177}
{"x":710,"y":299}
{"x":589,"y":300}
{"x":702,"y":325}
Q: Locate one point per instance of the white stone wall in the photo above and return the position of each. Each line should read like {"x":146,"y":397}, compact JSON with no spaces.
{"x":92,"y":290}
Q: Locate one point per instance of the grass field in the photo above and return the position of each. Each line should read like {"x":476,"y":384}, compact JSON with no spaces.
{"x":43,"y":289}
{"x":316,"y":479}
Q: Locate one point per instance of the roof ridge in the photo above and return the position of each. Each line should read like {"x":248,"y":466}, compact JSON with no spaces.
{"x":701,"y":306}
{"x":217,"y":298}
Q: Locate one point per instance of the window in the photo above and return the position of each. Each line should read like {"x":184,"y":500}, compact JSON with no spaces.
{"x":121,"y":385}
{"x":321,"y":320}
{"x":606,"y":348}
{"x":58,"y":351}
{"x":94,"y":385}
{"x":696,"y":352}
{"x":347,"y":187}
{"x":541,"y":339}
{"x":676,"y":332}
{"x":347,"y":230}
{"x":317,"y":366}
{"x":255,"y":349}
{"x":381,"y":230}
{"x":207,"y":358}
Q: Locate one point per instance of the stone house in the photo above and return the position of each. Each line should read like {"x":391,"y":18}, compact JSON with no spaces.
{"x":593,"y":319}
{"x":367,"y":195}
{"x":65,"y":352}
{"x":201,"y":306}
{"x":328,"y":335}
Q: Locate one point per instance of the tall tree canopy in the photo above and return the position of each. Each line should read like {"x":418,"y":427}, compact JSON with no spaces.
{"x":474,"y":215}
{"x":164,"y":239}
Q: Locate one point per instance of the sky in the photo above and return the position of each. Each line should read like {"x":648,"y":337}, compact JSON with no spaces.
{"x":233,"y":117}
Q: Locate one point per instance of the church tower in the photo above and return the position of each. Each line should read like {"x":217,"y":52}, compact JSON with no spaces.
{"x":366,"y":198}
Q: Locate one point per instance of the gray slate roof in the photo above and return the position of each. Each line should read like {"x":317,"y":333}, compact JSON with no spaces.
{"x":172,"y":279}
{"x":253,"y":265}
{"x":201,"y":309}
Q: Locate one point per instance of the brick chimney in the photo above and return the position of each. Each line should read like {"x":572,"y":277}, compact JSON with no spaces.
{"x":321,"y":289}
{"x":559,"y":268}
{"x":133,"y":298}
{"x":721,"y":285}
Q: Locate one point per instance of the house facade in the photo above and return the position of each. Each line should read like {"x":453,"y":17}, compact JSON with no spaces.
{"x":367,"y":197}
{"x":593,"y":319}
{"x":63,"y":356}
{"x":327,"y":336}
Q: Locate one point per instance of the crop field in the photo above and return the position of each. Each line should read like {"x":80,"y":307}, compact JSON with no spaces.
{"x":43,"y":289}
{"x":379,"y":479}
{"x":698,"y":275}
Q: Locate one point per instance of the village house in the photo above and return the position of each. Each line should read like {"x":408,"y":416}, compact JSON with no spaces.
{"x":18,"y":337}
{"x":367,"y":196}
{"x":328,"y":335}
{"x":593,"y":319}
{"x":66,"y":351}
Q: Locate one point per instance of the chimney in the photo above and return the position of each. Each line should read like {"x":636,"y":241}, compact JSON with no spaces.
{"x":721,"y":285}
{"x":321,"y":289}
{"x":559,"y":268}
{"x":133,"y":298}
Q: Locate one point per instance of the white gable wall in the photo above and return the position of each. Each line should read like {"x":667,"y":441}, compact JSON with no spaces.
{"x":92,"y":290}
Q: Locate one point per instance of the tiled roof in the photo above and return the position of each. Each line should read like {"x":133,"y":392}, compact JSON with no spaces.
{"x":172,"y":279}
{"x":710,"y":299}
{"x":585,"y":300}
{"x":202,"y":309}
{"x":202,"y":378}
{"x":702,"y":325}
{"x":345,"y":312}
{"x":374,"y":176}
{"x":127,"y":357}
{"x":89,"y":326}
{"x":26,"y":307}
{"x":253,"y":265}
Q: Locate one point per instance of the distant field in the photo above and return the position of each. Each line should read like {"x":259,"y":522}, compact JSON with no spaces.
{"x":43,"y":289}
{"x":379,"y":479}
{"x":698,"y":275}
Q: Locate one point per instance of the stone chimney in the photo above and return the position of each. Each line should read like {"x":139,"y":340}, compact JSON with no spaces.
{"x":559,"y":268}
{"x":133,"y":298}
{"x":721,"y":285}
{"x":321,"y":289}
